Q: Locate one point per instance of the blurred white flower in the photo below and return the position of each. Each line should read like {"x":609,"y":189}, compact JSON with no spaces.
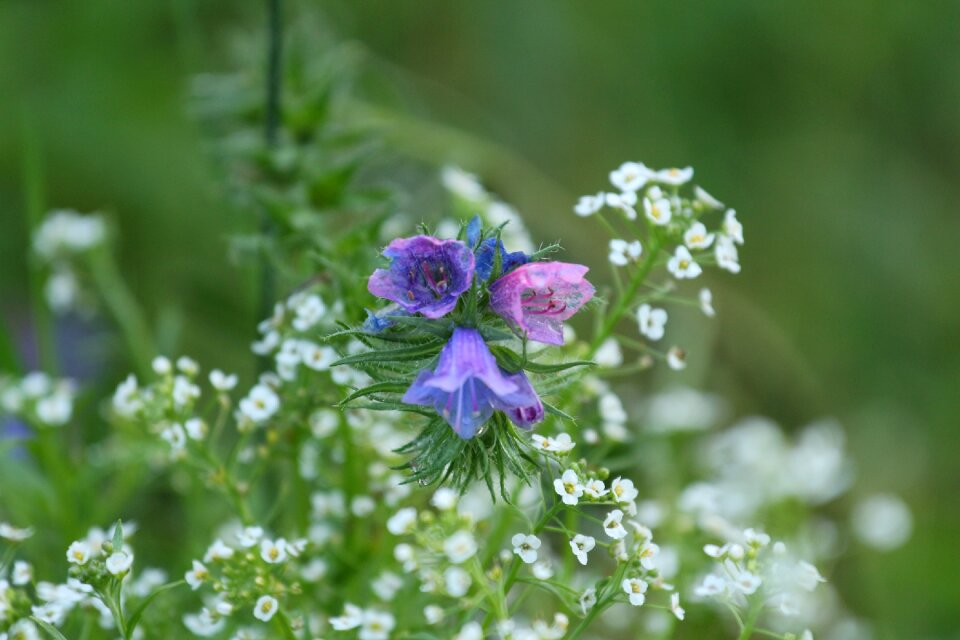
{"x":652,"y":321}
{"x":882,"y":521}
{"x":682,"y":265}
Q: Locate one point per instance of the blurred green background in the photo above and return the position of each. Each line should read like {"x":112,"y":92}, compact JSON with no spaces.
{"x":833,"y":129}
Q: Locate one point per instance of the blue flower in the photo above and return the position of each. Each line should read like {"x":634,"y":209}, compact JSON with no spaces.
{"x":426,"y":275}
{"x":486,"y":254}
{"x":468,"y":386}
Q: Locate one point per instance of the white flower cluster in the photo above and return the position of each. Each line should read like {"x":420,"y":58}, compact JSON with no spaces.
{"x":248,"y":557}
{"x":38,"y":399}
{"x":58,"y":241}
{"x":474,"y":197}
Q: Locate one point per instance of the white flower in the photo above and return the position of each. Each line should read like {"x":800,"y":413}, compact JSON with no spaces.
{"x":197,"y":575}
{"x":657,"y":211}
{"x":175,"y":436}
{"x":568,"y":487}
{"x":433,"y":614}
{"x":587,"y":600}
{"x":386,"y":585}
{"x":351,"y":618}
{"x":625,"y":202}
{"x":674,"y":176}
{"x":630,"y":176}
{"x":652,"y":321}
{"x":526,"y":547}
{"x":696,"y":237}
{"x":581,"y":545}
{"x":316,"y":357}
{"x":613,"y":525}
{"x":403,"y":521}
{"x":55,"y":409}
{"x":126,"y":399}
{"x":706,"y":302}
{"x":712,"y":586}
{"x":79,"y":553}
{"x":64,"y":231}
{"x":249,"y":536}
{"x":457,"y":581}
{"x":747,"y":583}
{"x":119,"y":562}
{"x":222,"y":381}
{"x":682,"y":265}
{"x":726,"y":254}
{"x":589,"y":205}
{"x":188,"y":365}
{"x":265,"y":608}
{"x":677,"y":358}
{"x":196,"y":428}
{"x":623,"y":253}
{"x":732,"y":227}
{"x":463,"y":184}
{"x":635,"y":588}
{"x":309,"y":311}
{"x":555,"y":631}
{"x":542,"y":570}
{"x":756,"y":538}
{"x":470,"y":631}
{"x":377,"y":625}
{"x":21,"y":574}
{"x":623,"y":490}
{"x":706,"y":198}
{"x":161,"y":366}
{"x":184,"y":391}
{"x":648,"y":553}
{"x":562,"y":443}
{"x":675,"y":607}
{"x":460,"y":547}
{"x":218,"y":551}
{"x":611,"y":408}
{"x":362,"y":506}
{"x":595,"y":489}
{"x":608,"y":354}
{"x":445,"y":499}
{"x":260,"y":404}
{"x":882,"y":521}
{"x":273,"y":552}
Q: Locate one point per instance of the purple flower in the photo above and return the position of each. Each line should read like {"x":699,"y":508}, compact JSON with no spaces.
{"x":426,"y":275}
{"x":537,"y":297}
{"x":508,"y":261}
{"x":468,"y":386}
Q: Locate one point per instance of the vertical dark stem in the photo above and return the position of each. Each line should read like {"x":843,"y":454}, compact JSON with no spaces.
{"x":271,"y":131}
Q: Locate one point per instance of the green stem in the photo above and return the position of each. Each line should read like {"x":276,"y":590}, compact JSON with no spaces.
{"x":124,"y":308}
{"x":624,"y":301}
{"x":747,"y":631}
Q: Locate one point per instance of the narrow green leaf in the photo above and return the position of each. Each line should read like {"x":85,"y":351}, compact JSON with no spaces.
{"x":49,"y":628}
{"x":138,"y":612}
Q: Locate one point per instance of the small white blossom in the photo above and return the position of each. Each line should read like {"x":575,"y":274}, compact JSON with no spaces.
{"x":623,"y":490}
{"x":625,"y":202}
{"x":197,"y":575}
{"x":273,"y":552}
{"x":696,"y":237}
{"x":882,"y":521}
{"x":732,"y":227}
{"x":221,"y":381}
{"x":657,"y":211}
{"x":595,"y":489}
{"x":249,"y":536}
{"x":589,"y":205}
{"x":562,"y":443}
{"x":677,"y":358}
{"x":568,"y":487}
{"x":652,"y":321}
{"x":608,"y":354}
{"x":445,"y":499}
{"x":726,"y":254}
{"x":22,"y":573}
{"x":265,"y":608}
{"x":309,"y":311}
{"x":79,"y":553}
{"x":470,"y":631}
{"x":542,"y":570}
{"x":707,"y":199}
{"x":712,"y":586}
{"x":162,"y":366}
{"x":260,"y":404}
{"x":119,"y":562}
{"x":623,"y":253}
{"x":630,"y":176}
{"x":587,"y":600}
{"x":460,"y":547}
{"x":433,"y":614}
{"x":351,"y":618}
{"x":675,"y":607}
{"x":196,"y":428}
{"x":682,"y":265}
{"x":706,"y":302}
{"x":581,"y":545}
{"x":403,"y":521}
{"x":386,"y":585}
{"x":456,"y":581}
{"x":126,"y":399}
{"x":526,"y":546}
{"x":377,"y":625}
{"x":613,"y":525}
{"x":636,"y":590}
{"x":218,"y":551}
{"x":674,"y":176}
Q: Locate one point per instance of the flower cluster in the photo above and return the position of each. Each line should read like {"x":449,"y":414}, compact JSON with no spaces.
{"x":62,"y":238}
{"x":38,"y":399}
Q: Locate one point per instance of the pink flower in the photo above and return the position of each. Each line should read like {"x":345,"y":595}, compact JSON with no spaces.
{"x":536,"y":298}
